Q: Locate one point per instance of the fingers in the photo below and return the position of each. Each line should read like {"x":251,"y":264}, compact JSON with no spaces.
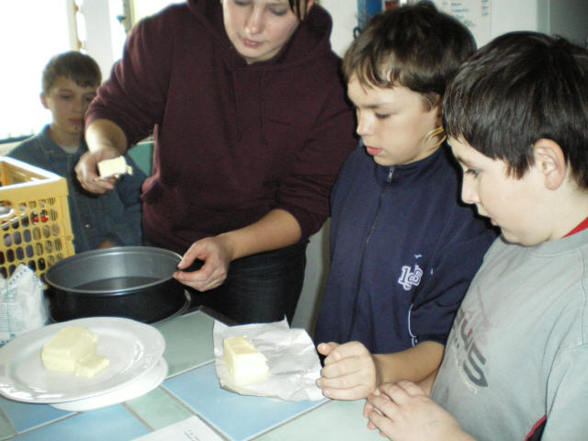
{"x":411,"y":388}
{"x":347,"y":350}
{"x":193,"y":253}
{"x":404,"y":411}
{"x":87,"y":174}
{"x":326,"y":348}
{"x":388,"y":399}
{"x":206,"y":278}
{"x":214,"y":271}
{"x":349,"y":372}
{"x":369,"y":408}
{"x":400,"y":392}
{"x":96,"y":185}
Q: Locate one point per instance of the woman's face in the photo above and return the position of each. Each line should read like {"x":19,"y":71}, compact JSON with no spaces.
{"x":258,"y":29}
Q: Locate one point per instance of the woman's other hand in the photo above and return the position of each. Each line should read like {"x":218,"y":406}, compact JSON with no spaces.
{"x":216,"y":253}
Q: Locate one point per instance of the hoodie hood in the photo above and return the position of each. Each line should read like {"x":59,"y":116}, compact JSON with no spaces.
{"x":310,"y":41}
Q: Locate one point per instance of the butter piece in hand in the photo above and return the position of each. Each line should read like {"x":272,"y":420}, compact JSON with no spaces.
{"x":246,"y":364}
{"x":113,"y":167}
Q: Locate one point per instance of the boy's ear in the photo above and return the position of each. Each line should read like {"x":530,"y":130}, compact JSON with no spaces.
{"x":549,"y":160}
{"x":44,"y":100}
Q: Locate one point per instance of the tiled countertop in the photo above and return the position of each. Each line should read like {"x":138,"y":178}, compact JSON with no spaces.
{"x":191,"y":388}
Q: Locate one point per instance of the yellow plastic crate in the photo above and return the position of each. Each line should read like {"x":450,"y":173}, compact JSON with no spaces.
{"x":35,"y":226}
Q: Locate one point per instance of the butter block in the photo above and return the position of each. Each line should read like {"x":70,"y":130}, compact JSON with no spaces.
{"x":245,"y":363}
{"x":115,"y":166}
{"x":90,"y":365}
{"x":65,"y":348}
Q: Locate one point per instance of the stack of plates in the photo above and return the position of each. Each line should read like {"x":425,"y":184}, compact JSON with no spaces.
{"x":135,"y":351}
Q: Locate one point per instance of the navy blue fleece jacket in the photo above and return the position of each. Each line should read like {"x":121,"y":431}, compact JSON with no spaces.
{"x":403,"y":252}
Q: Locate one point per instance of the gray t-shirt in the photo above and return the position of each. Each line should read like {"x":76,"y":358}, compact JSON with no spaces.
{"x":518,"y":349}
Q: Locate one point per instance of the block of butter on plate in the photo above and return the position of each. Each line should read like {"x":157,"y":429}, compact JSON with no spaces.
{"x":73,"y":349}
{"x":114,"y":166}
{"x":245,"y":363}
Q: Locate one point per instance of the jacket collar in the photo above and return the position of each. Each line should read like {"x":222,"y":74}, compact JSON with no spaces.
{"x":52,"y":151}
{"x":415,"y":171}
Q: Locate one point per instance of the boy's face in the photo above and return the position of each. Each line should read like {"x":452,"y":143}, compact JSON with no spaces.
{"x":512,"y":204}
{"x":393,"y":123}
{"x":68,"y":103}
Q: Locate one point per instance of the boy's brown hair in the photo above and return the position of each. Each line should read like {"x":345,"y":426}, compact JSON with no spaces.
{"x":520,"y":88}
{"x":80,"y":68}
{"x":414,"y":46}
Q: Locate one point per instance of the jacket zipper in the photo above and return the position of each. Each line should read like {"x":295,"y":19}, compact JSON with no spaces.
{"x":363,"y":252}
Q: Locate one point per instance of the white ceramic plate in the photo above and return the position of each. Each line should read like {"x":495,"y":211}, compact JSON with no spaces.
{"x":131,"y":346}
{"x":143,"y":384}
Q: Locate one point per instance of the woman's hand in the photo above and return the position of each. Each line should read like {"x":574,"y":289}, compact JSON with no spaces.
{"x":87,"y":171}
{"x":403,"y":412}
{"x":349,"y":372}
{"x":106,"y":140}
{"x":216,"y":253}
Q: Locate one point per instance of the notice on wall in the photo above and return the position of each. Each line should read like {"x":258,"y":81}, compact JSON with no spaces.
{"x":475,"y":14}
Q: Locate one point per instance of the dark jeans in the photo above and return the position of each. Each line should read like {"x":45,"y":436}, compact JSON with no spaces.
{"x":263,"y":287}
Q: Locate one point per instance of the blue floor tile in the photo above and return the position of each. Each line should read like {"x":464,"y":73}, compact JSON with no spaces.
{"x":240,"y":418}
{"x":113,"y":423}
{"x":25,"y":416}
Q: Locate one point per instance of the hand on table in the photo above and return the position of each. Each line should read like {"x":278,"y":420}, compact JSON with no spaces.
{"x":403,"y":412}
{"x":349,"y":372}
{"x":216,"y":255}
{"x":87,"y":171}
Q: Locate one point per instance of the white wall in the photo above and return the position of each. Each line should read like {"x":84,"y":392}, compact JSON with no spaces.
{"x":344,"y":14}
{"x":102,"y":33}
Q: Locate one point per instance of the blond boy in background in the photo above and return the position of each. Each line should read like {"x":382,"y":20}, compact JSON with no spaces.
{"x":69,"y":84}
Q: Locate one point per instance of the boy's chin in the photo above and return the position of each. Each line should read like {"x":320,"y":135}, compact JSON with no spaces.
{"x":517,"y":240}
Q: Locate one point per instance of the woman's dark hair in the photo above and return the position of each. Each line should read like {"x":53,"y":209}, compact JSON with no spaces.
{"x":80,"y":68}
{"x":414,"y":46}
{"x":520,"y":88}
{"x":299,"y":7}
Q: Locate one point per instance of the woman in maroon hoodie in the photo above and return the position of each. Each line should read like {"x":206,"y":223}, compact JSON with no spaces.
{"x":251,"y":125}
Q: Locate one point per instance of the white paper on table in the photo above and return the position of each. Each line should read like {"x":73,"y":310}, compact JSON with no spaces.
{"x":293,"y":363}
{"x":190,"y":429}
{"x":22,"y":304}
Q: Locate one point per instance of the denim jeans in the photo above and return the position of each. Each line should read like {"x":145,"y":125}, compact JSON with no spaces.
{"x":263,"y":287}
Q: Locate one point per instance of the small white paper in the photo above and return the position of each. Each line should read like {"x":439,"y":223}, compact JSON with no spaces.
{"x":22,"y":304}
{"x":293,"y":363}
{"x":190,"y":429}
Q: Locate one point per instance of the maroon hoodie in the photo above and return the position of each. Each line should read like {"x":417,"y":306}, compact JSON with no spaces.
{"x":232,"y":141}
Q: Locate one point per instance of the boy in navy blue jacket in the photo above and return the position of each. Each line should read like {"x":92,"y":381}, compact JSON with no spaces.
{"x":403,"y":247}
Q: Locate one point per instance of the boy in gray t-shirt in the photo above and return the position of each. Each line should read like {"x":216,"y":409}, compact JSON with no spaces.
{"x":516,"y":358}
